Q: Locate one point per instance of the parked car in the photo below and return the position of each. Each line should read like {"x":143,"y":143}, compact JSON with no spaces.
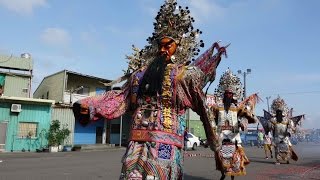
{"x":204,"y":142}
{"x":193,"y":142}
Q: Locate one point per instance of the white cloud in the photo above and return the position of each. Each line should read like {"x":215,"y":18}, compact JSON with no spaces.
{"x":56,"y":36}
{"x":23,"y":6}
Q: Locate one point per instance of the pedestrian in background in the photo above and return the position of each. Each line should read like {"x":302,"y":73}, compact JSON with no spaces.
{"x":267,"y":143}
{"x":185,"y":139}
{"x":260,"y":139}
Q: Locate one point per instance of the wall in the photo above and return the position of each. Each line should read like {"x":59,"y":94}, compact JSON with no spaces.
{"x":75,"y":81}
{"x":14,"y":86}
{"x":197,"y":129}
{"x":66,"y":118}
{"x":53,"y":84}
{"x":126,"y":125}
{"x":196,"y":126}
{"x":86,"y":134}
{"x":39,"y":113}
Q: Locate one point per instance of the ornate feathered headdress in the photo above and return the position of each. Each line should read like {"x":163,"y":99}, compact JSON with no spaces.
{"x":175,"y":22}
{"x":279,"y":104}
{"x":231,"y":82}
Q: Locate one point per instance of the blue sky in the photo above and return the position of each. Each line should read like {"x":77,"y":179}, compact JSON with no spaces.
{"x":277,"y":39}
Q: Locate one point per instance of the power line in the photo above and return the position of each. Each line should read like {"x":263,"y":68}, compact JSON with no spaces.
{"x":294,"y":93}
{"x":305,"y":92}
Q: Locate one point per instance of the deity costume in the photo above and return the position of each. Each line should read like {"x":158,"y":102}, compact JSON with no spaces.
{"x":282,"y":127}
{"x":229,"y":154}
{"x":155,"y":148}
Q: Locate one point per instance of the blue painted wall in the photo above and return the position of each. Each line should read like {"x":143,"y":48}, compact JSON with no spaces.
{"x":86,"y":134}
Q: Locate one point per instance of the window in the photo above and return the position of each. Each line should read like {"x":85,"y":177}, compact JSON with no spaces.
{"x":27,"y":129}
{"x":47,"y":94}
{"x":100,"y":90}
{"x":84,"y":90}
{"x":25,"y":90}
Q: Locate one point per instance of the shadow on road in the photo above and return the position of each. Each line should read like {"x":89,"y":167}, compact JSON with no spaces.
{"x":262,"y":161}
{"x":189,"y":177}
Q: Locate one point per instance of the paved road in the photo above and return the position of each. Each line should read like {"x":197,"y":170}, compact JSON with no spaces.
{"x":106,"y":165}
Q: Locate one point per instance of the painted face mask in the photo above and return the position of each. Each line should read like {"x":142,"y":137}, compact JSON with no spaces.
{"x":167,"y":47}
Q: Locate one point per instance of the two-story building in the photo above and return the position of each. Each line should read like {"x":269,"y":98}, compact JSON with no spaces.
{"x":66,"y":87}
{"x":23,"y":120}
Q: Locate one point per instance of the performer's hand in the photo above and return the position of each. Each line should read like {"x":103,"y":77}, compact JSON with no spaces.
{"x":288,"y":134}
{"x":240,"y":125}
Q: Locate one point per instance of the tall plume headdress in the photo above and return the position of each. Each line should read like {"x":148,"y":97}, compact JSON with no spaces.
{"x":229,"y":81}
{"x":279,"y":104}
{"x":171,"y":21}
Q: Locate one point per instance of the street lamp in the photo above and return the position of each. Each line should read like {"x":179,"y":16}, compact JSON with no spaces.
{"x":244,"y":73}
{"x":268,"y":102}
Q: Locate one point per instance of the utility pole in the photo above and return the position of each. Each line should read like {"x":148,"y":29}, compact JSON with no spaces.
{"x":268,"y":103}
{"x":244,"y":73}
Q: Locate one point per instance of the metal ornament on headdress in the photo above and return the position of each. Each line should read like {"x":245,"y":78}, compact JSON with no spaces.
{"x":231,"y":82}
{"x":279,"y":104}
{"x":175,"y":22}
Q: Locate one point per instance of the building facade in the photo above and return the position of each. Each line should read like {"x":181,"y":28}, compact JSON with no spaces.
{"x":16,"y":75}
{"x":67,"y":87}
{"x":24,"y":123}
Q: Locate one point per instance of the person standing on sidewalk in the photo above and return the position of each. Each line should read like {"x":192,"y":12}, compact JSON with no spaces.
{"x":267,"y":143}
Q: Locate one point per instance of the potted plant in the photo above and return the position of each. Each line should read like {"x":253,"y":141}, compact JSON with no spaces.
{"x":29,"y":137}
{"x":67,"y":147}
{"x":56,"y":136}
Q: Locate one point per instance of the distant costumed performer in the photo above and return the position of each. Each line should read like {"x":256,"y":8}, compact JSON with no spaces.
{"x":282,"y":125}
{"x":162,"y":81}
{"x":228,"y":117}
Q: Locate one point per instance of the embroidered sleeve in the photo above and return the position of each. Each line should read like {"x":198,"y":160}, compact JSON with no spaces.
{"x":110,"y":105}
{"x":247,"y":107}
{"x":189,"y":91}
{"x":208,"y":62}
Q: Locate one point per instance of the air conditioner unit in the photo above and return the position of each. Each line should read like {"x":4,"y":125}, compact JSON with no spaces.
{"x":16,"y":108}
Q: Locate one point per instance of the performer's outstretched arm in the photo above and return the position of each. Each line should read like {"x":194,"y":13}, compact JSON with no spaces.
{"x":190,"y":92}
{"x":110,"y":105}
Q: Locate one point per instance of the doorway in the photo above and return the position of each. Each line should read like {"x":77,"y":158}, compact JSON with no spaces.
{"x":99,"y":132}
{"x":3,"y":135}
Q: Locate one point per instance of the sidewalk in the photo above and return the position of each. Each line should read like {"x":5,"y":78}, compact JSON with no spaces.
{"x":11,"y":155}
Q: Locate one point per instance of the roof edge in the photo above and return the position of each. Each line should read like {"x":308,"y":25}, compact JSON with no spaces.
{"x":12,"y":98}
